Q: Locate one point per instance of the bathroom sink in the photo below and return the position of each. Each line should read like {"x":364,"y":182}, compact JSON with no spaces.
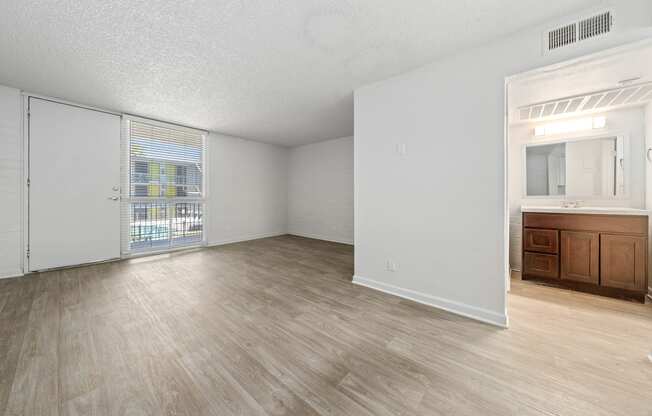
{"x":587,"y":210}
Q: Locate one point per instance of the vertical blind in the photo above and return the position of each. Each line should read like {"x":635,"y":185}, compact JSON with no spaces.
{"x":165,"y":176}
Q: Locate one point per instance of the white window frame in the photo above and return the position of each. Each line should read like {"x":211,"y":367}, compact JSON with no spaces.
{"x":127,"y":199}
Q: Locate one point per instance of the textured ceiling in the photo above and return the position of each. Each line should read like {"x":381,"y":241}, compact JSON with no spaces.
{"x":277,"y":71}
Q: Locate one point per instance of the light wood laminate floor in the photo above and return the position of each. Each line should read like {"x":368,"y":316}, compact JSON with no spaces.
{"x":275,"y":327}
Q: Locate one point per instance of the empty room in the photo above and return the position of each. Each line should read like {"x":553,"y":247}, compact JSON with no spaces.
{"x":246,"y":207}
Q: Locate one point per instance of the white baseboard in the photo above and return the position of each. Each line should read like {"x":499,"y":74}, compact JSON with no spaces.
{"x":321,"y":237}
{"x":243,"y":238}
{"x":468,"y":311}
{"x":131,"y":256}
{"x":7,"y":274}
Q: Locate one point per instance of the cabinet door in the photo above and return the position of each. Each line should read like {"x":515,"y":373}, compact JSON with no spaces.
{"x":580,"y":256}
{"x":623,"y":261}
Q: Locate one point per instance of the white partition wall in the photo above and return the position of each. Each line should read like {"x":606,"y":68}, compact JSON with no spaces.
{"x":431,"y":212}
{"x":11,"y":183}
{"x":648,"y":181}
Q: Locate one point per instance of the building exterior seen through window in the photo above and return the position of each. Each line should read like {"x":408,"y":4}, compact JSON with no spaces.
{"x":166,"y":178}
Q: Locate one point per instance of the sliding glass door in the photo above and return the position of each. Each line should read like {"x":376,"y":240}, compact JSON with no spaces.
{"x":165,"y":175}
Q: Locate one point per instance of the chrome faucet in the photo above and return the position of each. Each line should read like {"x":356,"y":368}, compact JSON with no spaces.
{"x":570,"y":204}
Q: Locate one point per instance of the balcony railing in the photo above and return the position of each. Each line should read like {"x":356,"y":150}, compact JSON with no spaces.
{"x":160,"y":224}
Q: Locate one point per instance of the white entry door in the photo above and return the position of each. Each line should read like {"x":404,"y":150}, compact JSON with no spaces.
{"x":74,"y":173}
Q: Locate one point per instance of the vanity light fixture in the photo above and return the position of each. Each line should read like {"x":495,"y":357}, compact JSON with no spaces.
{"x":599,"y":122}
{"x":571,"y":126}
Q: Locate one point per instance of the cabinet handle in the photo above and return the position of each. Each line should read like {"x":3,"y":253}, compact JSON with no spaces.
{"x":649,"y":158}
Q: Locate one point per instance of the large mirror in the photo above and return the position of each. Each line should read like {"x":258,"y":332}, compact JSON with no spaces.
{"x":578,"y":168}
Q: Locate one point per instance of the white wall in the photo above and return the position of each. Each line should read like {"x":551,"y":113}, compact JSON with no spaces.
{"x":648,"y":183}
{"x":630,"y":121}
{"x":320,"y":193}
{"x":438,"y":212}
{"x":247,"y":189}
{"x":10,"y":182}
{"x":648,"y":164}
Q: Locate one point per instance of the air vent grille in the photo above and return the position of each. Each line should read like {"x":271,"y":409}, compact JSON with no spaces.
{"x":595,"y":26}
{"x":562,"y":36}
{"x":594,"y":101}
{"x":578,"y":31}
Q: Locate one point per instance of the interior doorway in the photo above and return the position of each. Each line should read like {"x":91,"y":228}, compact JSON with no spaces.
{"x":578,"y":148}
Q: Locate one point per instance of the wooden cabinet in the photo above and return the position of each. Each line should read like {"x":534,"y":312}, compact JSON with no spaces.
{"x":543,"y":265}
{"x":541,"y":241}
{"x":603,"y":254}
{"x":580,"y":256}
{"x":623,"y":261}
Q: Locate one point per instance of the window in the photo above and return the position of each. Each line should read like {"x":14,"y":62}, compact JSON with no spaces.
{"x":140,"y":172}
{"x":140,"y":190}
{"x":165,"y":205}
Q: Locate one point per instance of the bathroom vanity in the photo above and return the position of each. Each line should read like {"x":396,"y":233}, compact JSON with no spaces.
{"x":597,"y":250}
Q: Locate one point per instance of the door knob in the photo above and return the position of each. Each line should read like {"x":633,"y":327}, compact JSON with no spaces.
{"x":116,"y":188}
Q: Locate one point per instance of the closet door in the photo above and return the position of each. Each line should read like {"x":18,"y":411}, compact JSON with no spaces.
{"x":74,"y":172}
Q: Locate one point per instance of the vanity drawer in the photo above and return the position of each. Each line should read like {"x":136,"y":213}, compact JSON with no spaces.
{"x":543,"y":265}
{"x":540,"y":240}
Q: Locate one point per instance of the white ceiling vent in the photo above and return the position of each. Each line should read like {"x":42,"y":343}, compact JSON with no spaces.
{"x":591,"y":27}
{"x":562,"y":36}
